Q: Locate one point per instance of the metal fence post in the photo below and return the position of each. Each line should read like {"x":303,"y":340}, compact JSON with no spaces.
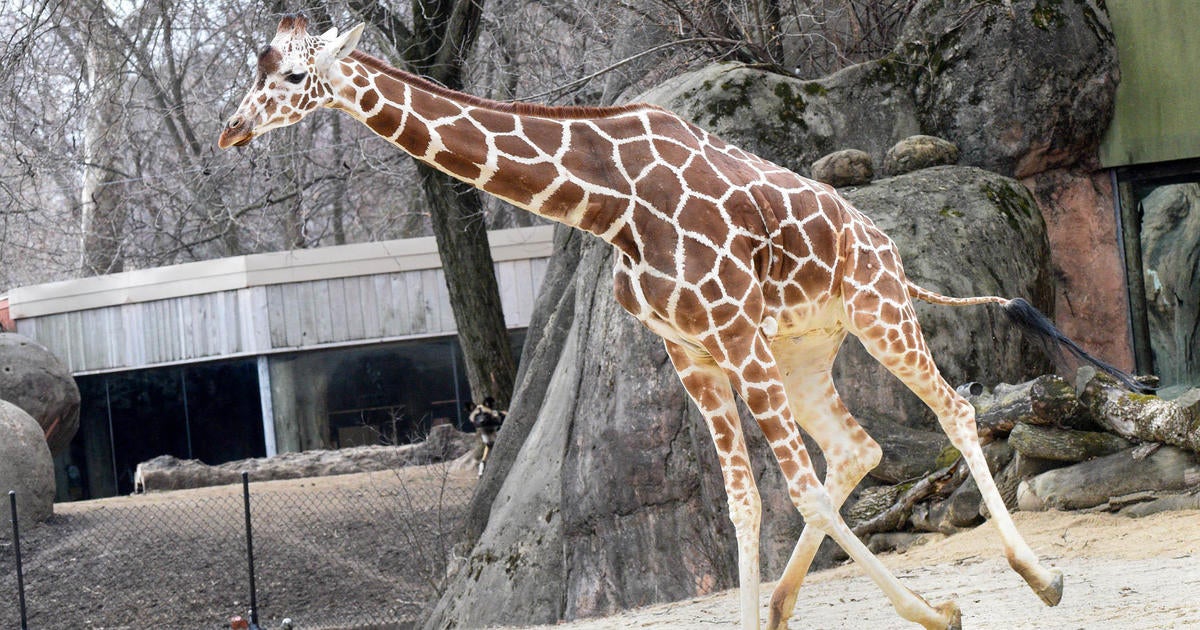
{"x":250,"y":550}
{"x":12,"y":503}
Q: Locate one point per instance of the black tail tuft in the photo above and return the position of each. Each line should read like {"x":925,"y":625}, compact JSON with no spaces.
{"x":1031,"y":320}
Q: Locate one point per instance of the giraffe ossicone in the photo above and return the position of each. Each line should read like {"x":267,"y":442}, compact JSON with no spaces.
{"x":751,"y":274}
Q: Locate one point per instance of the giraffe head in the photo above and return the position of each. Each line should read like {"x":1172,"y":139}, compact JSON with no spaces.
{"x":293,"y":79}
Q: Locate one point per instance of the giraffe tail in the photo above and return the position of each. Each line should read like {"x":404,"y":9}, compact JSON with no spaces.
{"x":925,"y":295}
{"x":1032,"y":322}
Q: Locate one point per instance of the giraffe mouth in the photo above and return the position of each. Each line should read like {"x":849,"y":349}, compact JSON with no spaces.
{"x":234,"y":138}
{"x":236,"y":134}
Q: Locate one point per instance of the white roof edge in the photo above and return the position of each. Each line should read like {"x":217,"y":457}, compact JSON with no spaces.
{"x":239,"y":272}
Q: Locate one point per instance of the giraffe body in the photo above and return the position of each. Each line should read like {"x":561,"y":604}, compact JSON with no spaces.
{"x":751,"y":274}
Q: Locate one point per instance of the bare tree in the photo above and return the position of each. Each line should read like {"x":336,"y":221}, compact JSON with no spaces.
{"x":102,"y":202}
{"x":124,"y":100}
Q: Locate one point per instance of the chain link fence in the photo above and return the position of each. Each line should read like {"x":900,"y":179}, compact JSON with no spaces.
{"x":361,"y":552}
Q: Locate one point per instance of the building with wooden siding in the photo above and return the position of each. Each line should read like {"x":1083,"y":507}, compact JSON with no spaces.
{"x":267,"y":353}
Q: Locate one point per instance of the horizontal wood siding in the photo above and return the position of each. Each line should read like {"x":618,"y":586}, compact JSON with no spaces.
{"x":271,"y":318}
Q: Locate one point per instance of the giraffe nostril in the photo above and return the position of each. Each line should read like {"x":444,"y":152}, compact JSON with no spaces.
{"x":235,"y":122}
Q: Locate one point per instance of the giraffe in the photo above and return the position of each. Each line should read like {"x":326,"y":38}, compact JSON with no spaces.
{"x":751,"y":274}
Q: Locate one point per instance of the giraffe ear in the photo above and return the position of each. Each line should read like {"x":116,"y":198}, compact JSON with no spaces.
{"x":342,"y":45}
{"x":330,"y":34}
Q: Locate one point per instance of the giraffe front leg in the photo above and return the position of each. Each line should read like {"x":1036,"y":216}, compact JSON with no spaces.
{"x":710,"y":390}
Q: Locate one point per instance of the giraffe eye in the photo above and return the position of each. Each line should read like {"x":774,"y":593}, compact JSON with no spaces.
{"x":295,"y":77}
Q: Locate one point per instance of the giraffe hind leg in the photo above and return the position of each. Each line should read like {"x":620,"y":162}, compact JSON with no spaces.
{"x":850,"y":453}
{"x":901,"y":348}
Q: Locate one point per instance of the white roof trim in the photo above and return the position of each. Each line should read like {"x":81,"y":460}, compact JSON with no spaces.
{"x":239,"y":272}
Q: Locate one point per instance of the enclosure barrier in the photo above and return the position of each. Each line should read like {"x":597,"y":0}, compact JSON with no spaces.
{"x":324,"y":555}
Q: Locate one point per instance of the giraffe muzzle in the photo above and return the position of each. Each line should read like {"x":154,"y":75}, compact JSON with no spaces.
{"x":236,"y":133}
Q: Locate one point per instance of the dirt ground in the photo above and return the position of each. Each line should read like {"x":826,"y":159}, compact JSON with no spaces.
{"x":353,"y":551}
{"x":1120,"y":573}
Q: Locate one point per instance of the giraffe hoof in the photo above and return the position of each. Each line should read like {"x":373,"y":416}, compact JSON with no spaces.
{"x":1052,"y":592}
{"x":951,"y":613}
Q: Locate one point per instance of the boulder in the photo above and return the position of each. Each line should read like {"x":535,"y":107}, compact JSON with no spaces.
{"x":961,"y":231}
{"x":848,"y":167}
{"x":37,"y":381}
{"x":917,"y":152}
{"x":1021,"y":87}
{"x":793,"y":122}
{"x":25,"y":467}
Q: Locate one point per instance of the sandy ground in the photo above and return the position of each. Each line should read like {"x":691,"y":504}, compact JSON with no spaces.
{"x":1120,"y":573}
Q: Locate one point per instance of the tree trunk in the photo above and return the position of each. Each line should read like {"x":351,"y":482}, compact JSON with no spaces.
{"x":103,"y":209}
{"x":456,"y":212}
{"x":1064,"y":445}
{"x":443,"y":33}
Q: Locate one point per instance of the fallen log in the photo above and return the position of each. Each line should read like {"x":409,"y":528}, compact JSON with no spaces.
{"x":1095,"y":482}
{"x":1162,"y":502}
{"x":1140,"y":417}
{"x":165,"y":472}
{"x":1046,"y":400}
{"x":940,"y":482}
{"x":1018,"y":470}
{"x":1064,"y":445}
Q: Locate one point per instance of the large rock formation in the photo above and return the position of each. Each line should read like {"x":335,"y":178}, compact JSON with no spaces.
{"x":1025,"y":89}
{"x":605,"y":466}
{"x":1020,"y":89}
{"x":37,"y":381}
{"x":1170,"y":260}
{"x":792,"y":122}
{"x":1028,"y":90}
{"x":25,"y":466}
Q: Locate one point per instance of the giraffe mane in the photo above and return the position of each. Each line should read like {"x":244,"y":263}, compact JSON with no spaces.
{"x":508,"y":107}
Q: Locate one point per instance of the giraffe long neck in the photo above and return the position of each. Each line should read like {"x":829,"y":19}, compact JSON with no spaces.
{"x":554,"y":165}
